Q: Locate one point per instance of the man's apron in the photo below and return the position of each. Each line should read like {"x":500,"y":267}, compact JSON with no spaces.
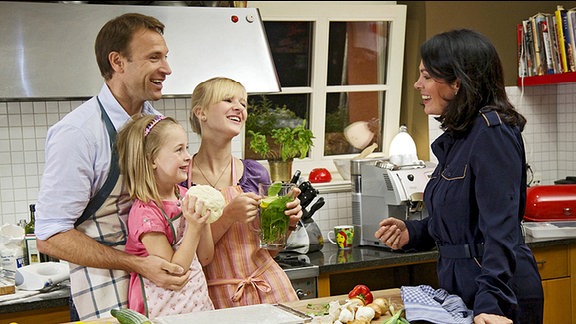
{"x":96,"y":291}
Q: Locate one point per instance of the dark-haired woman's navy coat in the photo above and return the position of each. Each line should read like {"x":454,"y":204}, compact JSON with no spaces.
{"x":476,"y":200}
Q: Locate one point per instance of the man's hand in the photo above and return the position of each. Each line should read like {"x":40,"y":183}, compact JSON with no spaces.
{"x":74,"y":246}
{"x":163,"y":273}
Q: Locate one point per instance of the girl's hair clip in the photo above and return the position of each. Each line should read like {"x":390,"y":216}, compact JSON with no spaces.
{"x":152,"y":124}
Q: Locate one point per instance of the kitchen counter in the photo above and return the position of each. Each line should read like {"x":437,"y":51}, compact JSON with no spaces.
{"x":331,"y":259}
{"x":308,"y":307}
{"x":331,"y":262}
{"x":24,"y":302}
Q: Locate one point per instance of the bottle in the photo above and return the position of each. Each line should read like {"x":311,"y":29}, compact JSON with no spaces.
{"x":29,"y":229}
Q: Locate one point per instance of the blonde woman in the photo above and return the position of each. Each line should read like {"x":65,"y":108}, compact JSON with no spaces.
{"x":242,"y":273}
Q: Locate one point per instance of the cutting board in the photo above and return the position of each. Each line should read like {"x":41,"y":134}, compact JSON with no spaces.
{"x":7,"y":286}
{"x":261,"y":314}
{"x":308,"y":306}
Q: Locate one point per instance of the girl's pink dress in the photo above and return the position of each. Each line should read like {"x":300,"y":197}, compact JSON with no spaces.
{"x":143,"y":295}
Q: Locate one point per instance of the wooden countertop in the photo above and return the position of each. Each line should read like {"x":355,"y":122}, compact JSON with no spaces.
{"x":307,"y":306}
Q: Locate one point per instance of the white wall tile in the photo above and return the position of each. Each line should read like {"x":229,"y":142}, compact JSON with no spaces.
{"x":550,"y":138}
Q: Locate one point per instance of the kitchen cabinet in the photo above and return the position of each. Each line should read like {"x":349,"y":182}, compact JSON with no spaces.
{"x":59,"y":314}
{"x":557,"y":266}
{"x":377,"y":278}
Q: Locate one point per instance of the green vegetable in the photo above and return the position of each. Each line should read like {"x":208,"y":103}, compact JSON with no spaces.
{"x":273,"y":222}
{"x":274,"y":189}
{"x":397,"y":318}
{"x":317,"y":310}
{"x":129,"y":316}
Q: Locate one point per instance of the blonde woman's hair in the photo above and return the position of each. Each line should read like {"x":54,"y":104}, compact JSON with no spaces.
{"x":138,"y":143}
{"x":212,"y":91}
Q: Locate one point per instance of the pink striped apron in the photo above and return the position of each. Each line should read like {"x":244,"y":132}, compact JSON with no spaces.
{"x":242,"y":273}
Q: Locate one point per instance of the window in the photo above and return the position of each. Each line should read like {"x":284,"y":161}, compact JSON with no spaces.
{"x":338,"y":65}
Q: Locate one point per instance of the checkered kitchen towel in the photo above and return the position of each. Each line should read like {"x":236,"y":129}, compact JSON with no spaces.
{"x":436,"y":306}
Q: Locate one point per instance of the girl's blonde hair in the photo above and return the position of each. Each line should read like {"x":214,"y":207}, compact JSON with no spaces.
{"x":212,"y":91}
{"x":138,"y":143}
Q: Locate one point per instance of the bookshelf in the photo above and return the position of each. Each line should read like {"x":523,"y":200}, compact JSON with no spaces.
{"x":547,"y":48}
{"x":567,"y":77}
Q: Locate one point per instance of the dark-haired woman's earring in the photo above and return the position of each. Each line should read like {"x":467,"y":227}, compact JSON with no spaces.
{"x":456,"y":93}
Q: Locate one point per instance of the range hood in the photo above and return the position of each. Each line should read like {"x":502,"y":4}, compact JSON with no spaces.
{"x":47,"y":49}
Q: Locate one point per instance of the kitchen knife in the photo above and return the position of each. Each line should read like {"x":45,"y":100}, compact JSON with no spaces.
{"x":295,"y":177}
{"x":317,"y":205}
{"x":307,"y":193}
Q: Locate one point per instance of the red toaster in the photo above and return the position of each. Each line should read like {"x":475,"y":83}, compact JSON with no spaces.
{"x":551,"y":203}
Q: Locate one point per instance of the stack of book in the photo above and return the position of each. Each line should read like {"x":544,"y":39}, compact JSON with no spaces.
{"x":547,"y":43}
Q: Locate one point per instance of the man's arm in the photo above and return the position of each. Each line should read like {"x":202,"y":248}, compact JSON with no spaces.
{"x":76,"y":247}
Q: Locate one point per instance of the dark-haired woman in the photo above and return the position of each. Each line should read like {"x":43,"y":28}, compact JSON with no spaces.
{"x":477,"y":194}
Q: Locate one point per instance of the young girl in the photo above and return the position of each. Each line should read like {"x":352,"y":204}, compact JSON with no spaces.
{"x":153,"y":159}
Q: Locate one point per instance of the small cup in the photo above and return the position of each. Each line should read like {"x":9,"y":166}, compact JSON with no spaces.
{"x":273,"y":222}
{"x":342,"y":235}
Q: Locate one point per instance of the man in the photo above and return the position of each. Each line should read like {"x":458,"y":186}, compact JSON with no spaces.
{"x":131,"y":54}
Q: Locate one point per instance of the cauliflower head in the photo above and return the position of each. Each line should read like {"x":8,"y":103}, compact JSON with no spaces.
{"x":212,"y":198}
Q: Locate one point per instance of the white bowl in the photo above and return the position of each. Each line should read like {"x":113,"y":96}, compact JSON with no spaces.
{"x":343,"y":167}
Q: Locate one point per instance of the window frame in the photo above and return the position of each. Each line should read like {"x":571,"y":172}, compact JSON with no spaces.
{"x":321,"y":14}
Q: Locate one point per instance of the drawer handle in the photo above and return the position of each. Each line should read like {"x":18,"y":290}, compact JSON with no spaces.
{"x":540,"y":263}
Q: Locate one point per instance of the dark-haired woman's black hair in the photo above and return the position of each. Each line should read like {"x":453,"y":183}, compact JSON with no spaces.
{"x":470,"y":58}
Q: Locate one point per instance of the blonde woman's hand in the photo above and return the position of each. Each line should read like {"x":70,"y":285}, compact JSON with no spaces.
{"x":393,"y":233}
{"x":294,"y":208}
{"x":484,"y":318}
{"x":243,"y":208}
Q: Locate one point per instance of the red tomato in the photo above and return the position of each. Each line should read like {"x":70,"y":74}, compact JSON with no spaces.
{"x":362,"y":292}
{"x":320,"y":175}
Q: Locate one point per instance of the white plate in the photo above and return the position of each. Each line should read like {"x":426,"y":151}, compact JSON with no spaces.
{"x":550,"y":229}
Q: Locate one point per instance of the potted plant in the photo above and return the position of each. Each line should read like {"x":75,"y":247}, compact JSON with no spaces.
{"x":279,"y":136}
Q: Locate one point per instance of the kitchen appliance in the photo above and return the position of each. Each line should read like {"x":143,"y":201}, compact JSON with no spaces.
{"x":37,"y":45}
{"x":303,"y":275}
{"x":550,"y":211}
{"x":551,"y":203}
{"x":383,"y":189}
